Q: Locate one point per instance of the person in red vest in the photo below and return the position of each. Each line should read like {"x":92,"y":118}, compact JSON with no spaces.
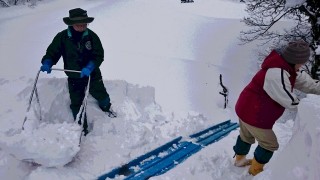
{"x":264,"y":100}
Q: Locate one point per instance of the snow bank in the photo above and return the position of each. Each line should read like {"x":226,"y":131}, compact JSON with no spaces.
{"x":300,"y":158}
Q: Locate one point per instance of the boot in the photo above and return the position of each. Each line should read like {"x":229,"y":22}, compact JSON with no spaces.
{"x":255,"y":167}
{"x":242,"y":161}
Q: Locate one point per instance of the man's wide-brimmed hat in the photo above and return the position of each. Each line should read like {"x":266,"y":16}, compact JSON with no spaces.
{"x":76,"y":16}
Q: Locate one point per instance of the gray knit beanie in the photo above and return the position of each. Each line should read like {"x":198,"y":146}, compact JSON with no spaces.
{"x":296,"y":52}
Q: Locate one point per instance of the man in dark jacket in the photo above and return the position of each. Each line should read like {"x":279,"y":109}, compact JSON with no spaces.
{"x":81,"y":50}
{"x":266,"y":97}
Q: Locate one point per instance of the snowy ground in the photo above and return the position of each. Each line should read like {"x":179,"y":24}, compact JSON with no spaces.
{"x":162,"y":66}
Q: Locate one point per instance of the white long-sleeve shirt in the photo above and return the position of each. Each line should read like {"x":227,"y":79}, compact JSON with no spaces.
{"x":277,"y":85}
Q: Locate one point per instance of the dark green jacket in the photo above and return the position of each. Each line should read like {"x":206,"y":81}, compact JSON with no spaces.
{"x":76,"y":55}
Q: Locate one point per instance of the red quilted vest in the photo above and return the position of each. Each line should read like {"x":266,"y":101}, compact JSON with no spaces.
{"x":254,"y":106}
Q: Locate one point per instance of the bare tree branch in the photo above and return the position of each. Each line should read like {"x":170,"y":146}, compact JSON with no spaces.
{"x":3,"y":3}
{"x":263,"y":15}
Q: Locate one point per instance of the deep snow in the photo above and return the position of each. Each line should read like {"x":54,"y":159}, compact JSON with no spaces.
{"x":162,"y":66}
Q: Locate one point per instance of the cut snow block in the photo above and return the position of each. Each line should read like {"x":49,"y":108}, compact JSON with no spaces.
{"x":50,"y":145}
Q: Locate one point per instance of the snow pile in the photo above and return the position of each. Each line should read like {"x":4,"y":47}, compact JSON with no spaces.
{"x":49,"y":144}
{"x":49,"y":140}
{"x":300,"y":159}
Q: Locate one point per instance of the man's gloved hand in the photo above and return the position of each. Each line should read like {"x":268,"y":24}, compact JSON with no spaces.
{"x":46,"y":66}
{"x":86,"y":71}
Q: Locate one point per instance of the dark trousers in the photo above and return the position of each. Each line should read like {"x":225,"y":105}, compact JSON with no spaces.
{"x":77,"y":88}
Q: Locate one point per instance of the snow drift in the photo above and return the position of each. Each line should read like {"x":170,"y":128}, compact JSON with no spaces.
{"x":300,"y":158}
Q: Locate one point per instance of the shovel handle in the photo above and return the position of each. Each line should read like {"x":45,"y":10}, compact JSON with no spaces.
{"x":35,"y":86}
{"x":66,"y":70}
